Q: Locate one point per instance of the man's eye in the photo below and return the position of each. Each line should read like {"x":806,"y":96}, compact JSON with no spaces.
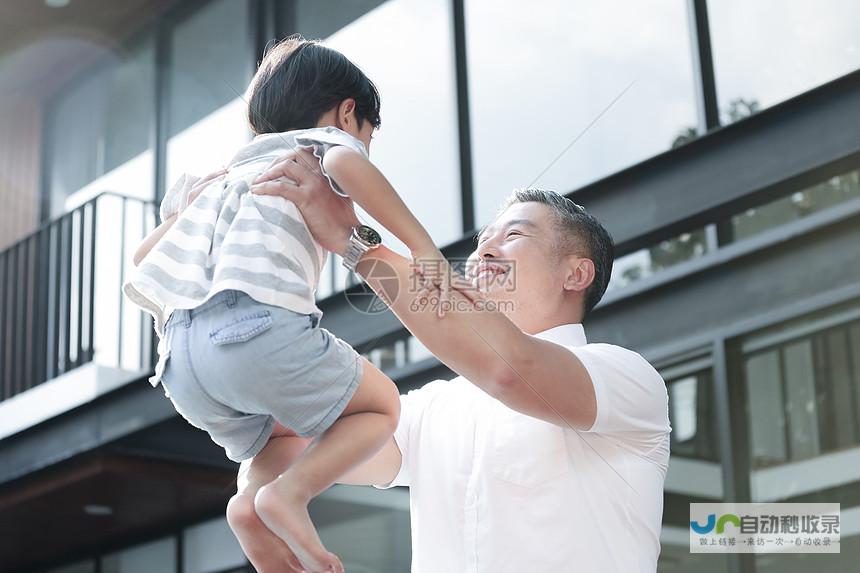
{"x":510,"y":233}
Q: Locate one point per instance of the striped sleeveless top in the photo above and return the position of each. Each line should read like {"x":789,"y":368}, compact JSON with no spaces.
{"x":229,"y":238}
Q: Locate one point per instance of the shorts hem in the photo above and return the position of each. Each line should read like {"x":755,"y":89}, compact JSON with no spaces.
{"x":336,"y":410}
{"x":259,"y":443}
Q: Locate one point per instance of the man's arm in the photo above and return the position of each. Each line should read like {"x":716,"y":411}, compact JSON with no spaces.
{"x":532,"y":376}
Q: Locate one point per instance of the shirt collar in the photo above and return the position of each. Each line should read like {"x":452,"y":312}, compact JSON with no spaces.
{"x":565,"y":334}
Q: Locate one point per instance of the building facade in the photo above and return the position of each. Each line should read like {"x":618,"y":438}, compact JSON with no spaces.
{"x":719,"y":142}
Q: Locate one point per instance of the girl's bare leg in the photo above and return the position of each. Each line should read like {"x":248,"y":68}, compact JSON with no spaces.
{"x":365,"y":425}
{"x":266,"y":551}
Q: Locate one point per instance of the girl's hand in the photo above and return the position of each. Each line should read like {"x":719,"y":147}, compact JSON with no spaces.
{"x":432,"y":271}
{"x":203,"y":184}
{"x":436,"y":277}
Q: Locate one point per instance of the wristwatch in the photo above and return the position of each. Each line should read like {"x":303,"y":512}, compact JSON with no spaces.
{"x":361,"y":240}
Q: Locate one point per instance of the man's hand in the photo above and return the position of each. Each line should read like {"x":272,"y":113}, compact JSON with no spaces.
{"x":296,"y":177}
{"x":437,"y":279}
{"x":330,"y":218}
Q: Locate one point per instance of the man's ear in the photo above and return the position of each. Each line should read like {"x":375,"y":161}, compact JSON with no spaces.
{"x":346,"y":113}
{"x":579,"y":274}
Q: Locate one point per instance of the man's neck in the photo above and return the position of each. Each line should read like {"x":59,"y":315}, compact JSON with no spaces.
{"x":533,"y":325}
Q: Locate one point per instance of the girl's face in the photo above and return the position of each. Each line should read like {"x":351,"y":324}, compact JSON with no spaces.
{"x":347,"y":120}
{"x":364,"y":134}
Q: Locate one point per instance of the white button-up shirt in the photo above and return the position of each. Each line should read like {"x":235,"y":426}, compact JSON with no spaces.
{"x":493,"y":490}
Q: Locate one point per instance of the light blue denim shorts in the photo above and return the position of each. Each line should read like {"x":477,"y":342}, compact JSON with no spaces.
{"x":235,"y":366}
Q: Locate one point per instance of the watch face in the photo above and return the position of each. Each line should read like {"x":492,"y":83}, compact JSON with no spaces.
{"x":368,"y":234}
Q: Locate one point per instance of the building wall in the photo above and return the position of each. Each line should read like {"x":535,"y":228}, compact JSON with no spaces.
{"x":534,"y":86}
{"x":20,"y":149}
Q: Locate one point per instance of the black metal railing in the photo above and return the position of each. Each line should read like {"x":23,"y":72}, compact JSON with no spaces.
{"x":52,"y":285}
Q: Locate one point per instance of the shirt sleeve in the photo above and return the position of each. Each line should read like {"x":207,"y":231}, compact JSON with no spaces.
{"x":322,"y":140}
{"x":631,"y":395}
{"x":413,"y":406}
{"x":176,"y":198}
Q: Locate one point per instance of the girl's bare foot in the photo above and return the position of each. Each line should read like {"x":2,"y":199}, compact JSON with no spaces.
{"x":284,"y":510}
{"x":267,"y":552}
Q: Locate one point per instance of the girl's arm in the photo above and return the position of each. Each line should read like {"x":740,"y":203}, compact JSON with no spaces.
{"x":155,"y":235}
{"x":368,"y":187}
{"x":152,"y":239}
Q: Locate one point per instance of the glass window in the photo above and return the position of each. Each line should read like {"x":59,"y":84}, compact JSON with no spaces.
{"x":854,"y":381}
{"x":694,"y":474}
{"x":210,"y":67}
{"x":800,"y":399}
{"x":693,"y":467}
{"x":803,"y":395}
{"x":691,"y":415}
{"x":156,"y":556}
{"x":770,"y":50}
{"x":682,"y":409}
{"x":130,"y":112}
{"x":796,"y":206}
{"x":99,"y":131}
{"x":406,"y":48}
{"x":766,"y":409}
{"x":76,"y":139}
{"x":839,"y":351}
{"x":645,"y":263}
{"x":322,"y":18}
{"x":539,"y":75}
{"x":820,"y":357}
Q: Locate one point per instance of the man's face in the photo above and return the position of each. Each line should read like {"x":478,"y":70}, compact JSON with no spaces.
{"x":516,"y":258}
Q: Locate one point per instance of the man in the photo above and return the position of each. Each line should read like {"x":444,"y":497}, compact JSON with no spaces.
{"x":547,"y":453}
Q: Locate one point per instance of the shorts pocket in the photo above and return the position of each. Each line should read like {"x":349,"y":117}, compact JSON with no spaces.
{"x":242,"y":328}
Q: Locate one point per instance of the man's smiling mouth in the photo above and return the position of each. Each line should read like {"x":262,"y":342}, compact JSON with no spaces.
{"x":489,"y":272}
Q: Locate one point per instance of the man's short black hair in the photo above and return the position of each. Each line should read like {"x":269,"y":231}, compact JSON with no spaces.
{"x":578,"y":231}
{"x":299,"y":80}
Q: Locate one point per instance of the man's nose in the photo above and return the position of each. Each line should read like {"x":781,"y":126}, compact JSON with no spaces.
{"x":487,"y":251}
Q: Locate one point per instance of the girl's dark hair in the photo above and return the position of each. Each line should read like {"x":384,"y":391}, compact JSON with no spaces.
{"x":299,"y":80}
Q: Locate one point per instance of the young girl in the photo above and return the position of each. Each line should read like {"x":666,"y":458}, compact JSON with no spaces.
{"x":242,"y":355}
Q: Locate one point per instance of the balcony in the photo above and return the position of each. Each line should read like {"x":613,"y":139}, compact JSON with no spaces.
{"x":62,"y":313}
{"x":78,"y":428}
